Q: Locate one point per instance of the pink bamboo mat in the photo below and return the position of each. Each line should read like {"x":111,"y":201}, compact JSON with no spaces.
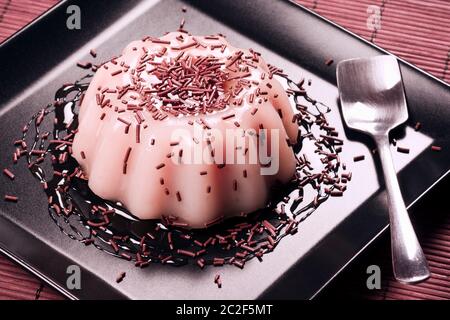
{"x":418,"y":31}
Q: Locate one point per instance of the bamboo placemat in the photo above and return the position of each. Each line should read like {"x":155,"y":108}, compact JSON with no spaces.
{"x":416,"y":30}
{"x":419,"y":32}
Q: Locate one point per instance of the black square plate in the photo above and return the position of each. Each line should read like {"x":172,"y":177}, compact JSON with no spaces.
{"x":35,"y":62}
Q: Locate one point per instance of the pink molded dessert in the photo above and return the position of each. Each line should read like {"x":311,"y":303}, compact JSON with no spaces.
{"x":127,"y":142}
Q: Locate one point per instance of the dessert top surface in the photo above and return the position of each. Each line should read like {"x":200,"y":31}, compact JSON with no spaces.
{"x":181,"y":75}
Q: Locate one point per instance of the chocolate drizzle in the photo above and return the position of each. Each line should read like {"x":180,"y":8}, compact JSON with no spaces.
{"x":108,"y":226}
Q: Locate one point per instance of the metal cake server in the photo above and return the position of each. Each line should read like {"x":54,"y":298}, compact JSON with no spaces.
{"x":373,"y":101}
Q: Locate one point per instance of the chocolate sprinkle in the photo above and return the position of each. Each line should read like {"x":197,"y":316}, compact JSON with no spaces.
{"x":11,"y":198}
{"x":121,"y":276}
{"x":8,"y":173}
{"x":436,"y":148}
{"x":218,"y":280}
